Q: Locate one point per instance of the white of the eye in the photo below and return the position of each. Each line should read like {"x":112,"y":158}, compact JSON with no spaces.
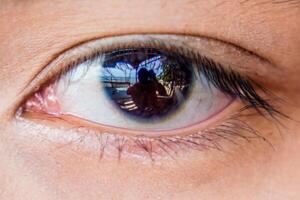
{"x":84,"y":96}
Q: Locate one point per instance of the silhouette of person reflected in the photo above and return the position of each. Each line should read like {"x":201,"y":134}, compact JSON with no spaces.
{"x":144,"y":92}
{"x":159,"y":87}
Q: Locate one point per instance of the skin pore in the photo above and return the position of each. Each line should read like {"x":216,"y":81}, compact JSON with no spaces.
{"x":34,"y":165}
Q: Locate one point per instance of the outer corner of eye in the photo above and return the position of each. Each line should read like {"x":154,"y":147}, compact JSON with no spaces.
{"x":137,"y":89}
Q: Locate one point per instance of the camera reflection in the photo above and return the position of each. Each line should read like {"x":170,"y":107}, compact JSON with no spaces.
{"x":145,"y":93}
{"x":144,"y":83}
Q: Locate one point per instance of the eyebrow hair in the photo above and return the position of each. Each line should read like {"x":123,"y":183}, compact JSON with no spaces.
{"x":286,"y":1}
{"x":295,"y":3}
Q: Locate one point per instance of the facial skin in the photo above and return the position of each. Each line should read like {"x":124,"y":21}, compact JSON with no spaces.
{"x":33,"y":166}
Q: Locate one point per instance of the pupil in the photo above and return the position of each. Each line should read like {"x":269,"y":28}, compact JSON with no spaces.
{"x":146,"y":83}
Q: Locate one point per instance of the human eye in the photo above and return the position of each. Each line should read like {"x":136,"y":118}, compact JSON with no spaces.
{"x":156,"y":95}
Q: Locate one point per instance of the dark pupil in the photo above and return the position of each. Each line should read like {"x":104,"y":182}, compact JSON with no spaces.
{"x":146,"y":83}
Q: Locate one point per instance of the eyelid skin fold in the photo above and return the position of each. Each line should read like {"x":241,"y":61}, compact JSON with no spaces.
{"x":244,"y":61}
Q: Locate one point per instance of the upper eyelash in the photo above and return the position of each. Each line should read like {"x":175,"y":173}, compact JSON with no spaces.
{"x":226,"y":80}
{"x":237,"y":86}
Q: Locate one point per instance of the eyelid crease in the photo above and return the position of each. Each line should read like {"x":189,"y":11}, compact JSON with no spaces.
{"x":62,"y":55}
{"x":86,"y":50}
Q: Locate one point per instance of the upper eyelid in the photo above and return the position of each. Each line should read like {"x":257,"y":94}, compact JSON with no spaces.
{"x":71,"y":54}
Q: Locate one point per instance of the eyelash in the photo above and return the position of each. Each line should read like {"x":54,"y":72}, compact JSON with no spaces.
{"x":228,"y":81}
{"x":237,"y":86}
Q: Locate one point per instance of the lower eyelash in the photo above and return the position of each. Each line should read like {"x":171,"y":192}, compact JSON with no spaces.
{"x":211,"y":139}
{"x":234,"y":131}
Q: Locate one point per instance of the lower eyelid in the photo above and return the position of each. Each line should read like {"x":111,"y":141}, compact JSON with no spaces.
{"x":73,"y":122}
{"x":114,"y":143}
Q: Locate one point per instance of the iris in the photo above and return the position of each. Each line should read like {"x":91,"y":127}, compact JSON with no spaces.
{"x":146,"y":83}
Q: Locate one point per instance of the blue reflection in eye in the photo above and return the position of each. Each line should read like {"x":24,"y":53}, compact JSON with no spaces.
{"x":146,"y":83}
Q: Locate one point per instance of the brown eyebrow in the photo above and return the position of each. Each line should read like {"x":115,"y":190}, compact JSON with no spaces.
{"x":295,"y":3}
{"x":286,"y":1}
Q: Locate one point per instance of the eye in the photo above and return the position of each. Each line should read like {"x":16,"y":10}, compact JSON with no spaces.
{"x":157,"y":93}
{"x":139,"y":89}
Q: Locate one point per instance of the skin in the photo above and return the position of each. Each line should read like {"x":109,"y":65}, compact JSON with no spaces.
{"x":33,"y":33}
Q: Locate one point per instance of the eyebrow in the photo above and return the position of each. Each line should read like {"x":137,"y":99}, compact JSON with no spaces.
{"x":295,"y":3}
{"x":286,"y":1}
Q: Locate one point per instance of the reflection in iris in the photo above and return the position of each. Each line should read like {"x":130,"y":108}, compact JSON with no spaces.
{"x":146,"y":83}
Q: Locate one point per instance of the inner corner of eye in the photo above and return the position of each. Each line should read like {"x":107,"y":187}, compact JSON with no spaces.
{"x":43,"y":101}
{"x":136,"y":88}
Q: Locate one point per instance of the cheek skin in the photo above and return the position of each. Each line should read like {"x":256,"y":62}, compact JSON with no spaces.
{"x":65,"y":172}
{"x":76,"y":175}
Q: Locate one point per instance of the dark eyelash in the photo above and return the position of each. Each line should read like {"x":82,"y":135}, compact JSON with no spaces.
{"x":236,"y":86}
{"x":226,"y":80}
